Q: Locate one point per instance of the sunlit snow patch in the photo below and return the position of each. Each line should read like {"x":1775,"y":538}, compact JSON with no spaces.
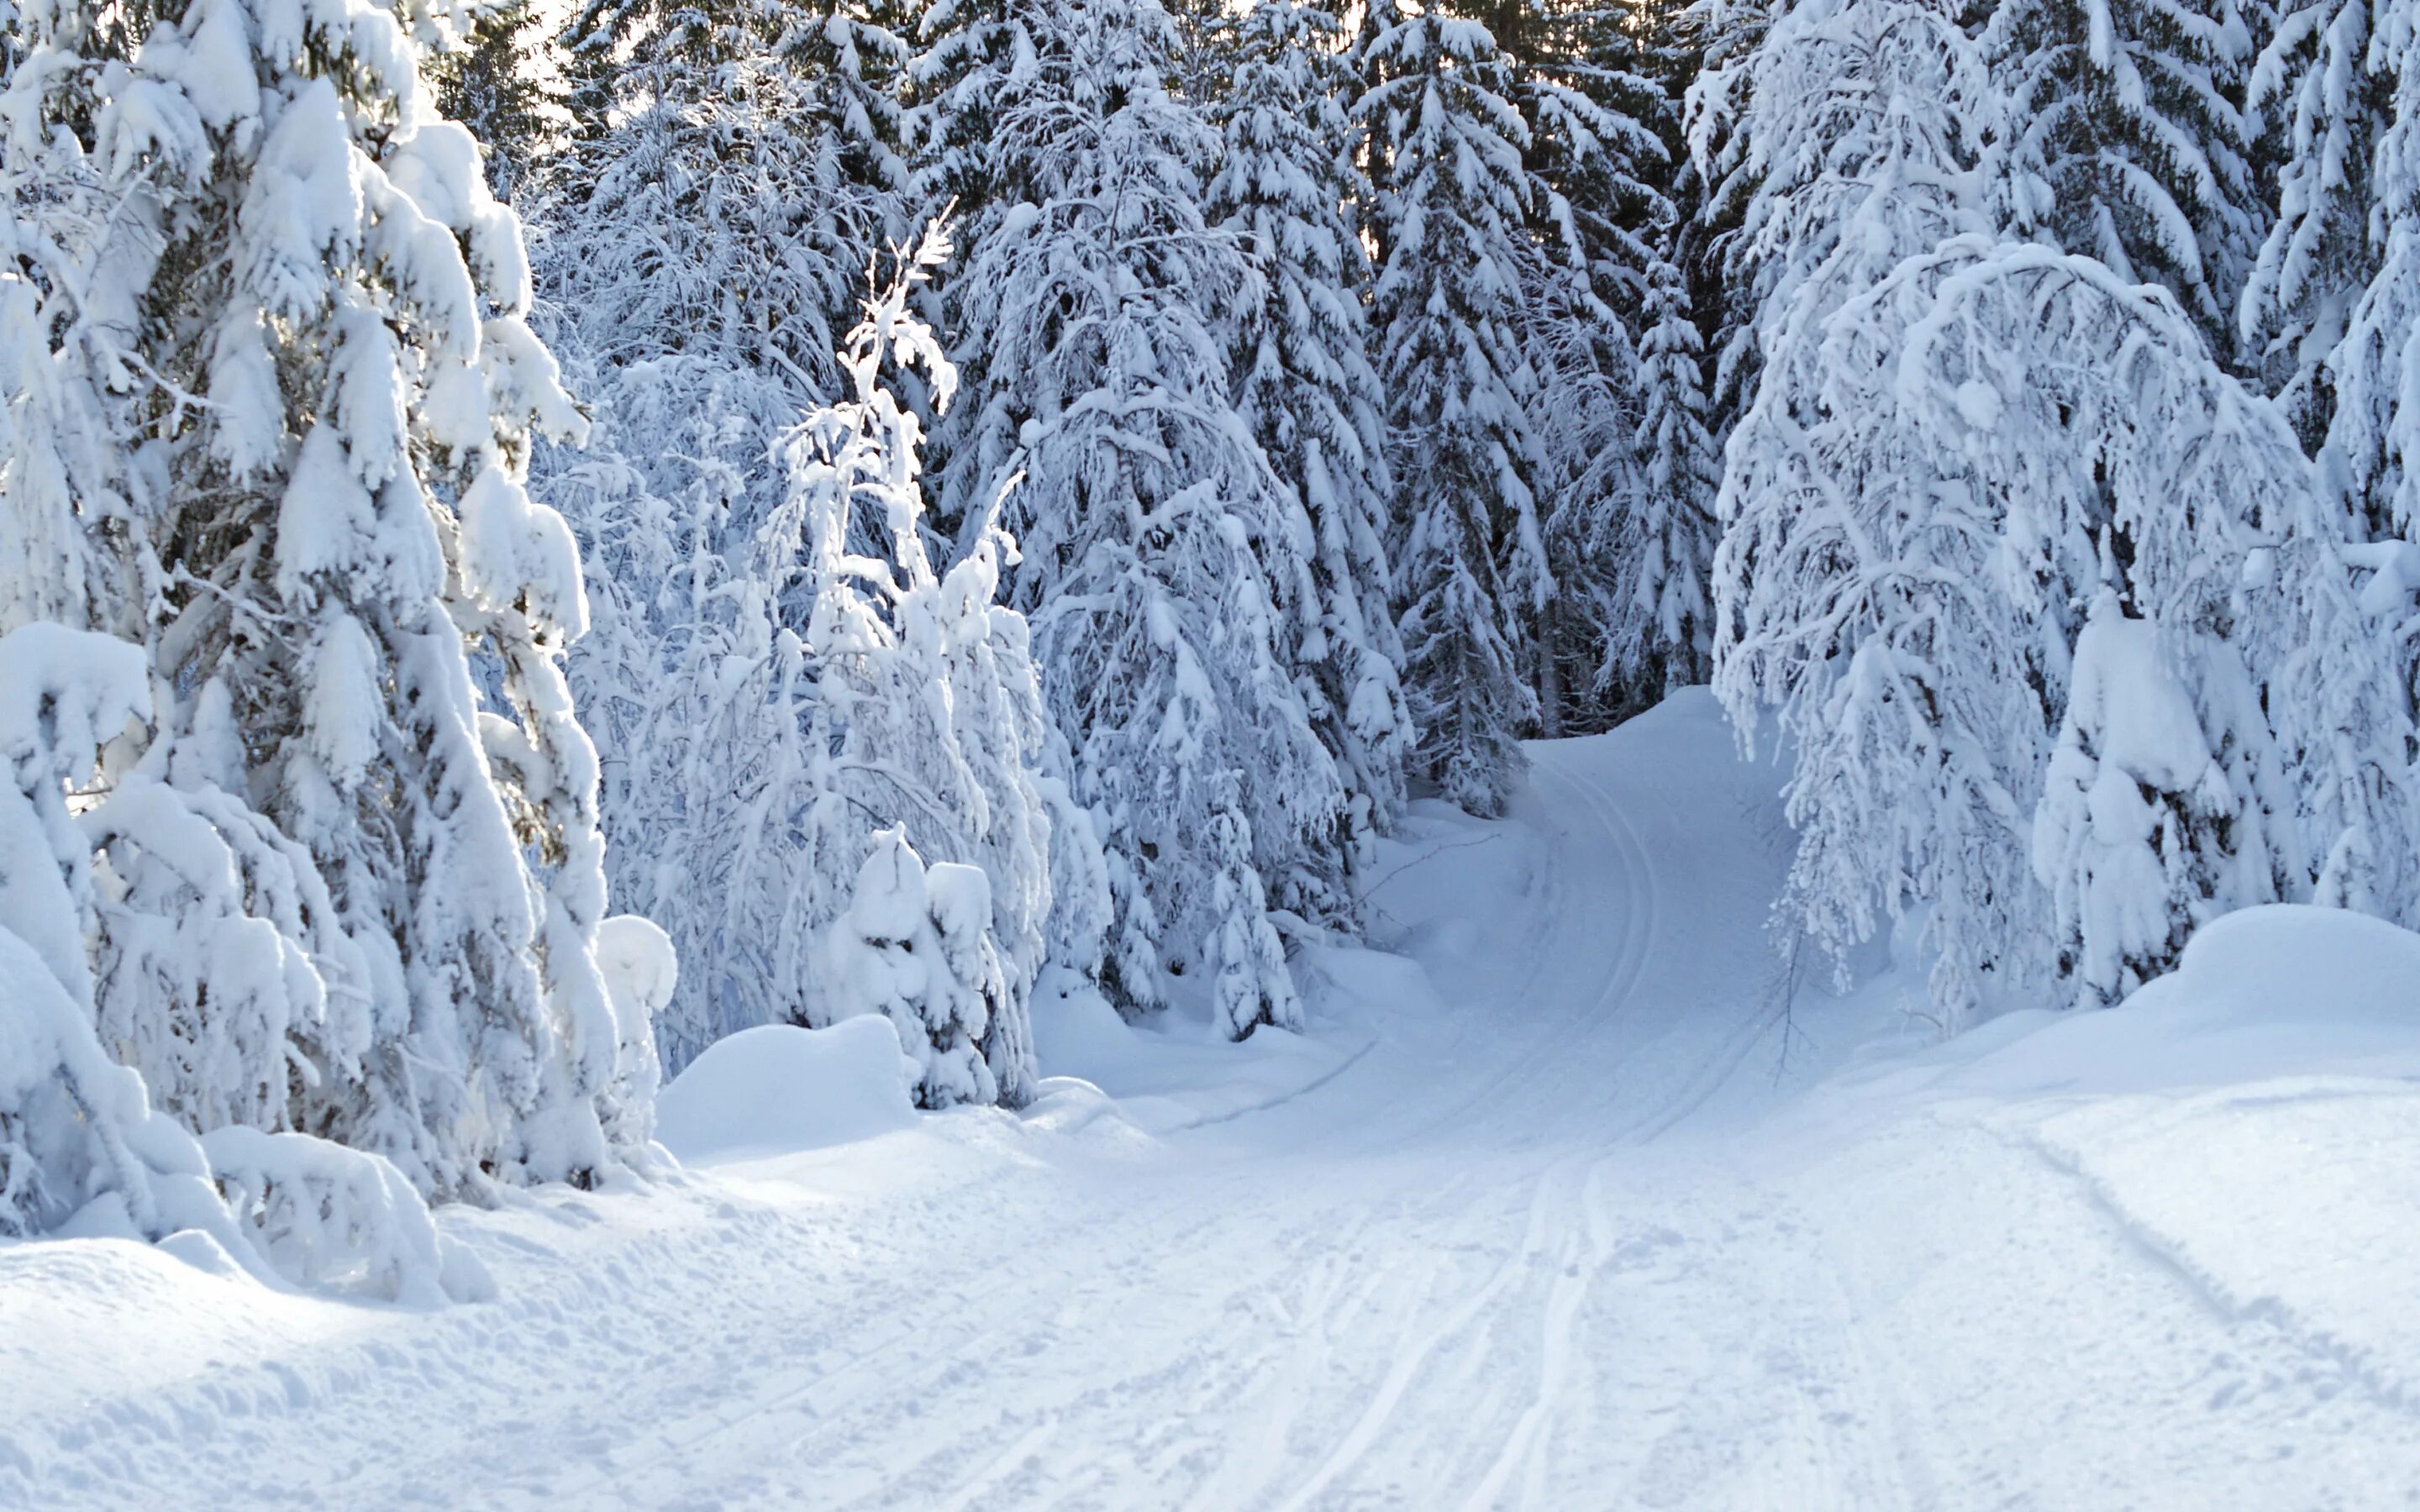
{"x":774,"y":1088}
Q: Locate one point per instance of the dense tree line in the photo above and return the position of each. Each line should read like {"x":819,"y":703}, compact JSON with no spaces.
{"x":939,"y":503}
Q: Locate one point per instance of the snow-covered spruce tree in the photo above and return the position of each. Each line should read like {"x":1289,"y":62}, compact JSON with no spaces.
{"x":2128,"y":142}
{"x":957,"y":81}
{"x":1153,"y":534}
{"x":2341,"y":684}
{"x":2321,"y":86}
{"x":505,"y":87}
{"x":75,"y":1128}
{"x":1601,"y":130}
{"x":315,"y":321}
{"x":2337,"y":659}
{"x":927,"y":706}
{"x":1637,"y":528}
{"x":2371,"y":428}
{"x":1284,"y":187}
{"x":218,"y":950}
{"x":1450,"y":219}
{"x":82,"y":1150}
{"x":1987,"y":437}
{"x":746,"y":173}
{"x":1664,"y":557}
{"x":1708,"y":42}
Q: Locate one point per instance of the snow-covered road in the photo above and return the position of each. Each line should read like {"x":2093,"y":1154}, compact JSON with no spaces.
{"x":1592,"y":1225}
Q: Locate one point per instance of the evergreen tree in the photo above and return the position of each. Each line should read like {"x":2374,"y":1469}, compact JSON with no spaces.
{"x":721,"y":227}
{"x":1708,"y":43}
{"x":2316,"y":86}
{"x":1658,"y":554}
{"x":1450,"y":218}
{"x":2129,"y":144}
{"x":293,"y":287}
{"x":2161,"y":803}
{"x":1600,"y":128}
{"x":2338,"y":288}
{"x":506,"y":88}
{"x":913,"y":947}
{"x":75,"y":1128}
{"x":1303,"y":382}
{"x":81,"y":1146}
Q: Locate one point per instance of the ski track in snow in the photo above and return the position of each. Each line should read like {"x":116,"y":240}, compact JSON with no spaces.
{"x":1558,"y":1248}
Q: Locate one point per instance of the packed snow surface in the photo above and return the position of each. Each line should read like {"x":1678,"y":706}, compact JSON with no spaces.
{"x":1579,"y":1199}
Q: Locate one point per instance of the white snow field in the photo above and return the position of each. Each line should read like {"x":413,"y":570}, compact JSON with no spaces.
{"x":1592,"y":1212}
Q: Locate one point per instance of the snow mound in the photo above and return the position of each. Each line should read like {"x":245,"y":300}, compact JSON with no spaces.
{"x":2283,"y":990}
{"x":640,"y":967}
{"x":779,"y":1087}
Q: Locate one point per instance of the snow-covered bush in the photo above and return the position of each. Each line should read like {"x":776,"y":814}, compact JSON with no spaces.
{"x":80,"y":1145}
{"x":1252,"y":986}
{"x":340,"y":1219}
{"x":640,"y":970}
{"x":915,"y":946}
{"x":2161,"y":804}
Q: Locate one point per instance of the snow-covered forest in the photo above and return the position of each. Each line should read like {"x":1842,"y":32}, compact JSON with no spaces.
{"x":554,"y":558}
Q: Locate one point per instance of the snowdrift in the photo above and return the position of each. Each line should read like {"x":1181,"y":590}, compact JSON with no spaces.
{"x":2284,"y":990}
{"x":777,"y":1088}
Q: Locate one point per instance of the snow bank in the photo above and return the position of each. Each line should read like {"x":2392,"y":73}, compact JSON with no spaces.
{"x":2263,"y":993}
{"x":777,"y":1088}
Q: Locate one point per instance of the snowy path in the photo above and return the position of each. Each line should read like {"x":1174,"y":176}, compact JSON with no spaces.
{"x":1580,"y":1240}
